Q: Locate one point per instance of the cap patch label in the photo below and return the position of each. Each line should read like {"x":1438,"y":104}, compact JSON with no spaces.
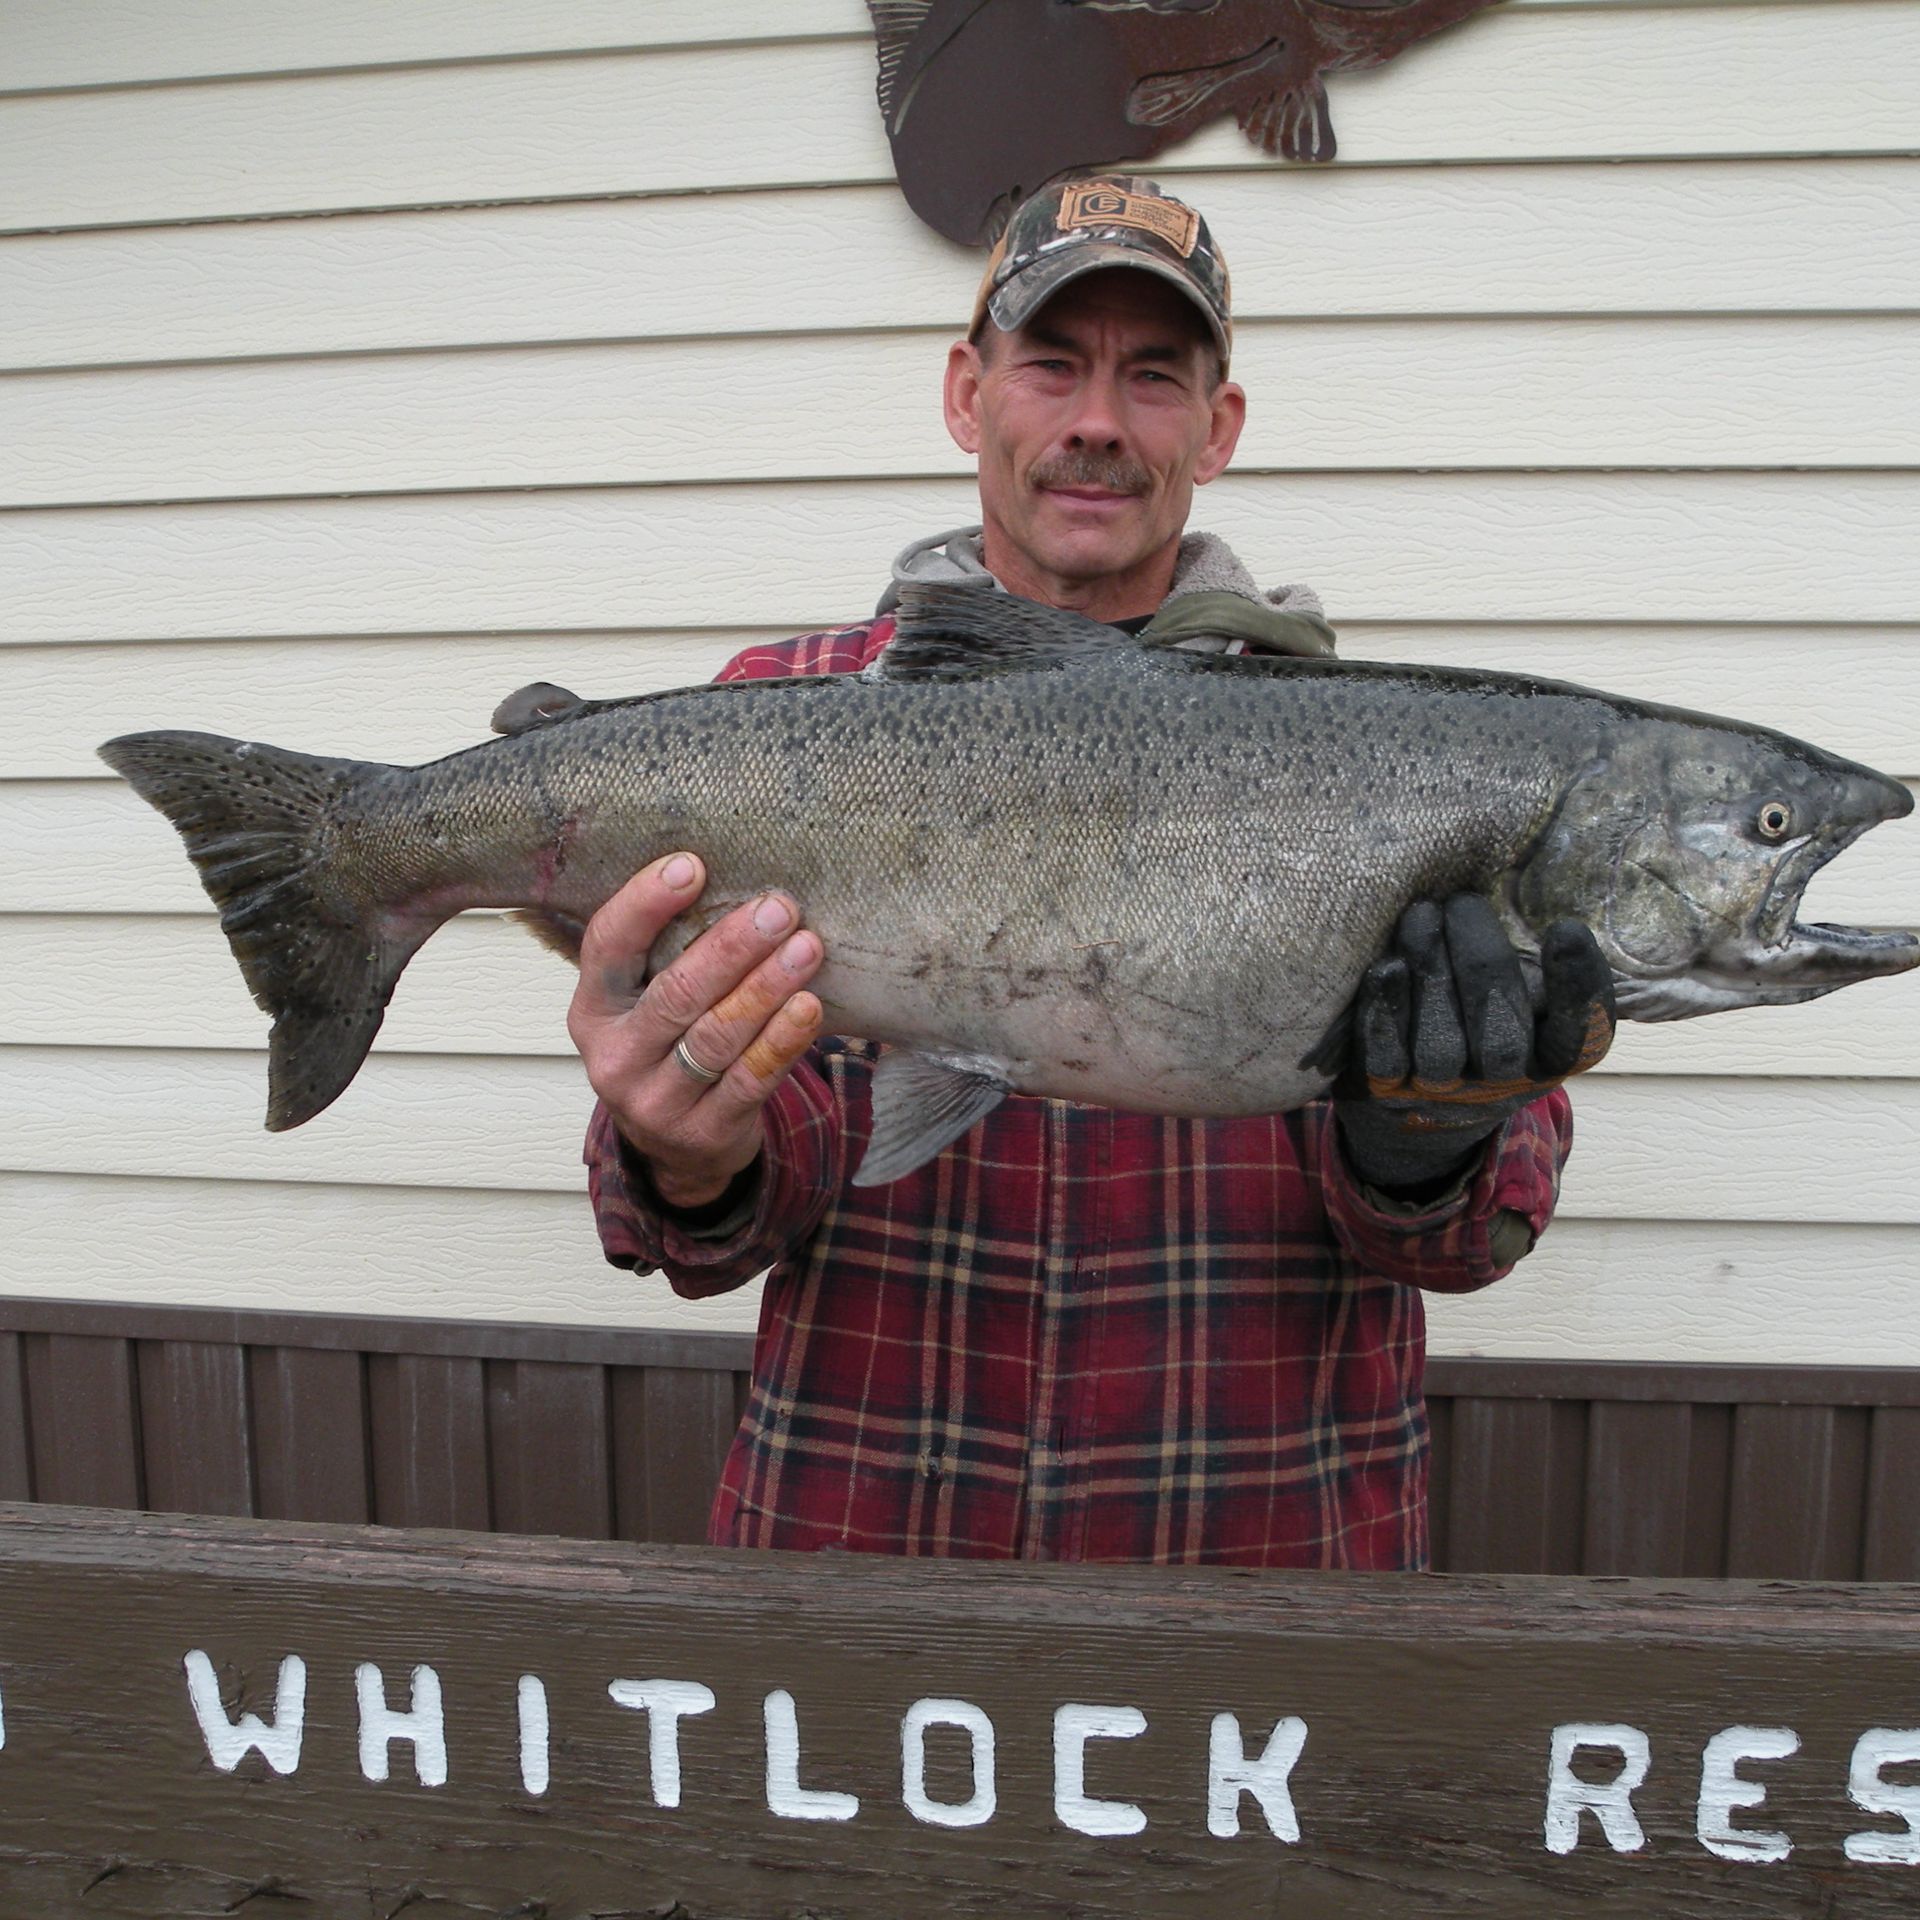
{"x":1099,"y":204}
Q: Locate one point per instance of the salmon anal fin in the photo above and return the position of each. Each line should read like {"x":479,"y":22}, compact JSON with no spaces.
{"x":558,"y":932}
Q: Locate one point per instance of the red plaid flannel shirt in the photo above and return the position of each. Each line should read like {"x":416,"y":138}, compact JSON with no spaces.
{"x":1077,"y":1334}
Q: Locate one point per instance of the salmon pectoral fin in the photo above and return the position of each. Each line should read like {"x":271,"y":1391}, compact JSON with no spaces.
{"x":923,"y":1102}
{"x":252,"y":819}
{"x":1331,"y":1052}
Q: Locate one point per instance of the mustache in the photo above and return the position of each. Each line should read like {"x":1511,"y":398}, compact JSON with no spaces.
{"x":1112,"y":473}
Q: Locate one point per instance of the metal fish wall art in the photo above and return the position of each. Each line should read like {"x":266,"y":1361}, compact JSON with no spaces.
{"x":986,"y":100}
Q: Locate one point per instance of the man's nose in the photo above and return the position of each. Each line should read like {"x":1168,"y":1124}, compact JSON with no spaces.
{"x":1096,"y":422}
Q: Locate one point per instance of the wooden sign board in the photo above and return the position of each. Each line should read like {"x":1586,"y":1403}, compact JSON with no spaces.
{"x":214,"y":1716}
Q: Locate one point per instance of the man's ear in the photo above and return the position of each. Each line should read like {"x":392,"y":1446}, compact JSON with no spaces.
{"x":961,"y":395}
{"x":1229,"y":403}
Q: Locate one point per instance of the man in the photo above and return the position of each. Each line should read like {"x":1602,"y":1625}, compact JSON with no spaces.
{"x":1079,"y":1334}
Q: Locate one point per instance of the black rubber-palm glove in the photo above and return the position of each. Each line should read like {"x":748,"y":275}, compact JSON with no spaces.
{"x":1447,"y":1040}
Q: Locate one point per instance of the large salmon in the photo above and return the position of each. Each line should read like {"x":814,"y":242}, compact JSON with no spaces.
{"x":1045,"y":857}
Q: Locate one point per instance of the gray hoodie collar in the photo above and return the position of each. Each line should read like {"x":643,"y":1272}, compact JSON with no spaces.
{"x":1206,"y":564}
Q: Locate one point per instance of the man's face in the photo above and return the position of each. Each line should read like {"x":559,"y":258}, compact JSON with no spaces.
{"x":1093,"y":424}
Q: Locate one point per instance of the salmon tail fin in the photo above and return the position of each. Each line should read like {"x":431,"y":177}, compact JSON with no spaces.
{"x":252,"y":818}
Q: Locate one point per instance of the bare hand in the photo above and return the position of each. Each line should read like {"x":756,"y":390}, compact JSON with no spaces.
{"x":734,"y":997}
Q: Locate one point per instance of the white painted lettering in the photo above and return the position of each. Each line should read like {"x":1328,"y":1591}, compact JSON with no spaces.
{"x":1882,"y":1747}
{"x":665,"y":1703}
{"x":533,"y":1733}
{"x":977,"y":1809}
{"x":785,"y":1795}
{"x":1230,"y":1774}
{"x":1073,"y":1726}
{"x":1609,"y":1801}
{"x":229,"y":1741}
{"x":1722,"y":1790}
{"x":423,"y":1723}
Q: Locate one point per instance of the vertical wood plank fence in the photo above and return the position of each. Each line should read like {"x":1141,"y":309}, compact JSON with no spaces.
{"x":1538,"y":1467}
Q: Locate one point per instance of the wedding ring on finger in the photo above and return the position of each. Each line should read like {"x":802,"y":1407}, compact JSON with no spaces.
{"x":688,"y":1064}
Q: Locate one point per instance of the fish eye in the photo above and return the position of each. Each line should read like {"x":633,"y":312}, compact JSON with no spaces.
{"x":1775,"y":819}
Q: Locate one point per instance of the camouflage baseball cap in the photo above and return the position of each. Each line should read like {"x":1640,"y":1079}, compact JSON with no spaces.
{"x":1103,"y":220}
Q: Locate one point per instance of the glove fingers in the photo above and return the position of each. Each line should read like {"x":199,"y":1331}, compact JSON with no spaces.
{"x":1380,"y":1022}
{"x":1576,"y":1025}
{"x":1438,"y":1040}
{"x":1495,"y":1007}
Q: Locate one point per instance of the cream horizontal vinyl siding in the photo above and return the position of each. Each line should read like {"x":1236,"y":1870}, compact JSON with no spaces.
{"x":91,"y":43}
{"x":1558,"y":83}
{"x":487,"y":1120}
{"x":1770,"y":236}
{"x":1704,"y":391}
{"x":359,"y":363}
{"x":1744,"y":545}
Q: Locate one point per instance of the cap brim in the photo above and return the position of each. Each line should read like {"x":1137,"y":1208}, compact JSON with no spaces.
{"x":1014,"y":304}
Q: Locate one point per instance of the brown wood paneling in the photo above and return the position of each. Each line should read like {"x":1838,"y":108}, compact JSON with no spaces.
{"x":671,"y":1430}
{"x":310,"y":1426}
{"x":16,"y":1449}
{"x":1697,"y":1382}
{"x":1709,"y":1491}
{"x":429,"y":1424}
{"x":196,"y":1432}
{"x":1892,"y":1546}
{"x":378,"y":1333}
{"x":1518,"y":1474}
{"x":85,"y":1428}
{"x":547,"y":1437}
{"x":1799,"y":1493}
{"x":1440,"y":1480}
{"x":1638,"y":1455}
{"x":1538,"y":1466}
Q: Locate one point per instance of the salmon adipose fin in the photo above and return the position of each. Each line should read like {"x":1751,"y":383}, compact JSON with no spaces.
{"x":252,"y":817}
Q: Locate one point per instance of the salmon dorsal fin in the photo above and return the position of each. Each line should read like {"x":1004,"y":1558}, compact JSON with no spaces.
{"x":945,"y":631}
{"x":538,"y":705}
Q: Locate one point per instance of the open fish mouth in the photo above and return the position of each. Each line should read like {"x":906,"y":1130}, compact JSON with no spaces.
{"x":1812,"y":960}
{"x":1821,"y":956}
